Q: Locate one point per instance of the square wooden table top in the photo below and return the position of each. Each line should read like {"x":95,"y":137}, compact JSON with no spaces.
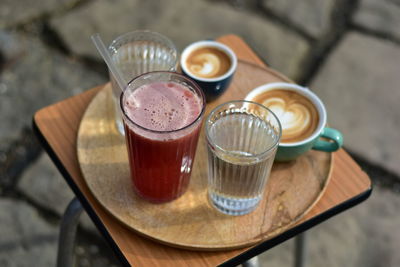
{"x":57,"y":128}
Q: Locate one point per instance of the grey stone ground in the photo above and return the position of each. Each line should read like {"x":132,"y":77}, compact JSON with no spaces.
{"x":348,"y":52}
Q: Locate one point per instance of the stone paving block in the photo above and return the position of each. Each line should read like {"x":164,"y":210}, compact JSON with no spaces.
{"x":26,"y":238}
{"x":359,"y":84}
{"x":312,"y":16}
{"x":43,"y":183}
{"x":380,"y":15}
{"x":184,"y":22}
{"x":32,"y":77}
{"x":21,"y":11}
{"x":364,"y":236}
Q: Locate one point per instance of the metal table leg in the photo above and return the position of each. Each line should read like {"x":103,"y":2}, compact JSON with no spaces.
{"x":66,"y":240}
{"x":299,"y":253}
{"x":300,"y":250}
{"x":253,"y":262}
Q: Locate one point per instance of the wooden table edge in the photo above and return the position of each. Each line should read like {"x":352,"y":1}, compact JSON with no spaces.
{"x":74,"y":187}
{"x":297,"y":229}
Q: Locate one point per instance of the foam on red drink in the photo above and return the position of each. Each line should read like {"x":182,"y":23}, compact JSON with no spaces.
{"x":163,"y":106}
{"x":162,"y":139}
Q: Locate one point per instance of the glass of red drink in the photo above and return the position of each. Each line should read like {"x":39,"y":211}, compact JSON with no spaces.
{"x":162,"y":114}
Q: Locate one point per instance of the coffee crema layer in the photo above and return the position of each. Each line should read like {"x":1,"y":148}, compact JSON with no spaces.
{"x":208,"y":62}
{"x":298,"y":115}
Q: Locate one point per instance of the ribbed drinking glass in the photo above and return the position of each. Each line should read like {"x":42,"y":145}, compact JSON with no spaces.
{"x":139,"y":52}
{"x":242,"y":139}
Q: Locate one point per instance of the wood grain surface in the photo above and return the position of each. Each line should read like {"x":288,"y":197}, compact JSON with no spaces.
{"x":58,"y":126}
{"x":190,"y":221}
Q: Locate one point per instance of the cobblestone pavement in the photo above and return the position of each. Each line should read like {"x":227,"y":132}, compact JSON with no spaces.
{"x":348,"y":52}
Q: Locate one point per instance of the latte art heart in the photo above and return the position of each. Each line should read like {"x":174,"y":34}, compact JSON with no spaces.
{"x":205,"y":65}
{"x":208,"y":62}
{"x":297,"y":114}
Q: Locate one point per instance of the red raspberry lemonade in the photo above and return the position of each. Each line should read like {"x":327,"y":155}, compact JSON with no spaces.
{"x":162,"y":127}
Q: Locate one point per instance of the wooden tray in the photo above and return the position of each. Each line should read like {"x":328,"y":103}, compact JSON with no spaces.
{"x":190,"y":222}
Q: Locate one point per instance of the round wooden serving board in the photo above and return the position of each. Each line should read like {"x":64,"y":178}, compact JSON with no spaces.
{"x":191,"y":222}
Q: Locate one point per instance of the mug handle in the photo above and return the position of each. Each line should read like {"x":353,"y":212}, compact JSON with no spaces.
{"x":335,"y":137}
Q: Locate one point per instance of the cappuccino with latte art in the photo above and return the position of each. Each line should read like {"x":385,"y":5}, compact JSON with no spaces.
{"x":302,"y":116}
{"x":211,"y":64}
{"x":298,"y":115}
{"x":208,"y":62}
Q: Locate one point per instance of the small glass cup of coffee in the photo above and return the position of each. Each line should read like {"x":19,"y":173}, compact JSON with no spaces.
{"x":303,"y":118}
{"x":211,"y":64}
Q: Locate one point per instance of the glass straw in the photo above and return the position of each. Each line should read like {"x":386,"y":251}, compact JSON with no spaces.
{"x":107,"y":58}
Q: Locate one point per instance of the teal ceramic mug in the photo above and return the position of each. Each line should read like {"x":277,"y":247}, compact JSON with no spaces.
{"x":303,"y":117}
